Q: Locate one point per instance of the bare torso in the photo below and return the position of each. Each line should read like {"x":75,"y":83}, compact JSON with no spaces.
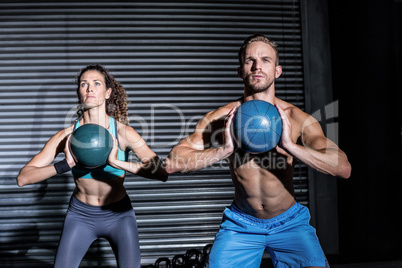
{"x":264,"y":182}
{"x":98,"y":192}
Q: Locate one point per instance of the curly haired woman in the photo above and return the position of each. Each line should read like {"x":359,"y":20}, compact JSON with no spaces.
{"x":100,"y":206}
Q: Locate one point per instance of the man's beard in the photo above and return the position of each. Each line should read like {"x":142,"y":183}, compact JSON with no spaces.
{"x":257,"y":87}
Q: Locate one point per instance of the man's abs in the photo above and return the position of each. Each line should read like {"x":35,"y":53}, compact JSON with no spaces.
{"x":260,"y":190}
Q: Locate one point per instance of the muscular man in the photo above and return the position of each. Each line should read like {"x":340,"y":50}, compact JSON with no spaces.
{"x":264,"y":214}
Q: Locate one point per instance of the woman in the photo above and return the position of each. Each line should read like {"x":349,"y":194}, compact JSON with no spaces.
{"x":99,"y":206}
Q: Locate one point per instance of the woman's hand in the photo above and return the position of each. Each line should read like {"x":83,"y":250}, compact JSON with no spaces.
{"x":112,"y":159}
{"x":67,"y":153}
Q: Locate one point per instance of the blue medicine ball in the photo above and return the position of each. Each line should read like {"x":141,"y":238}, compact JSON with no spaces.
{"x":257,"y":126}
{"x":91,"y":145}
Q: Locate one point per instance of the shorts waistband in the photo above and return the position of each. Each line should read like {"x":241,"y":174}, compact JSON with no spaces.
{"x":287,"y":215}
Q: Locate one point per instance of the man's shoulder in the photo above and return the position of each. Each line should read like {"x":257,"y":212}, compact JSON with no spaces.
{"x":291,"y":110}
{"x":223,"y":110}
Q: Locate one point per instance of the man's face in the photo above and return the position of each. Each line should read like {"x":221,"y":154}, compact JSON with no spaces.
{"x":258,"y":70}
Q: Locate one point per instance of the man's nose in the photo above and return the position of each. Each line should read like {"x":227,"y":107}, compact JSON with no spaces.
{"x":257,"y":65}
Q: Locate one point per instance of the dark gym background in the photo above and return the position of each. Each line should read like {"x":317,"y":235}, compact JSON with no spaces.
{"x":335,"y":52}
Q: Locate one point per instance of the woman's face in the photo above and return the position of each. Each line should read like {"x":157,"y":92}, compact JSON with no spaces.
{"x":92,"y":89}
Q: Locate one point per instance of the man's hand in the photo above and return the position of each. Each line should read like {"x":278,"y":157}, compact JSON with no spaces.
{"x":286,"y":137}
{"x":228,"y":143}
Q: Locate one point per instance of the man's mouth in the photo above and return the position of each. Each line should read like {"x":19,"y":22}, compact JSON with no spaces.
{"x":257,"y":76}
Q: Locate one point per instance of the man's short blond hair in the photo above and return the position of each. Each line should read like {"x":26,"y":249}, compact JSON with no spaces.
{"x":257,"y":38}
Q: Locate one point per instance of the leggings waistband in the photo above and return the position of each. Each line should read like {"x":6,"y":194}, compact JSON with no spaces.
{"x":120,"y":206}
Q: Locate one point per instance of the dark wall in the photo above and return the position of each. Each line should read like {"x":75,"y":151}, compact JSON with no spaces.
{"x":365,"y":40}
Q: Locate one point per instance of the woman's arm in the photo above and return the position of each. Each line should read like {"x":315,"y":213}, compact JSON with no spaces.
{"x":39,"y":168}
{"x":151,"y":165}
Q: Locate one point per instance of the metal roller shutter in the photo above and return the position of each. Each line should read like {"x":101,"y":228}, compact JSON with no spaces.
{"x":177,"y":61}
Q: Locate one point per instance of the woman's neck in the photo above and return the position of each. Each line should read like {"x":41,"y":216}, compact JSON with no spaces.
{"x":96,"y":116}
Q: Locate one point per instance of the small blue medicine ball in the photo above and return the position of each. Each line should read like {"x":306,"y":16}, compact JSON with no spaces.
{"x":257,"y":126}
{"x":91,"y":145}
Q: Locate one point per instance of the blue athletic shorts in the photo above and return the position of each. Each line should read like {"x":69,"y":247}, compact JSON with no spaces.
{"x":289,"y":238}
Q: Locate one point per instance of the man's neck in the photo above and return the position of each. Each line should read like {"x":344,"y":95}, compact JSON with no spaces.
{"x":266,"y":95}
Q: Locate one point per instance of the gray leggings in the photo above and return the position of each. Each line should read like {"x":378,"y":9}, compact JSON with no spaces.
{"x":85,"y":223}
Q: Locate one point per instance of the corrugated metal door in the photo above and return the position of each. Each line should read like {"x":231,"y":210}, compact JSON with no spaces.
{"x":177,"y":61}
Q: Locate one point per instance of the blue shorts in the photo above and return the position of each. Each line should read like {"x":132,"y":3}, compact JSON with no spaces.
{"x":289,"y":238}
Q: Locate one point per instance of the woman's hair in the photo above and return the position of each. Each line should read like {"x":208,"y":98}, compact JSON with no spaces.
{"x":116,"y":105}
{"x":257,"y":38}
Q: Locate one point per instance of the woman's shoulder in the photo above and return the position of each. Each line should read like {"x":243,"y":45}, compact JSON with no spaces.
{"x":126,"y":132}
{"x":62,"y":134}
{"x":123,"y":128}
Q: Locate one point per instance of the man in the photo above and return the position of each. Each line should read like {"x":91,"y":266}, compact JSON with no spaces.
{"x":264,"y":214}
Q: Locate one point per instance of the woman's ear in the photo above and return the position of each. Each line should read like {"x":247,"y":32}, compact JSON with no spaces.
{"x":108,"y":93}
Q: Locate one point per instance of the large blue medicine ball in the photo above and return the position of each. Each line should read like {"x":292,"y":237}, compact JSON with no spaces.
{"x":91,"y":145}
{"x":257,"y":126}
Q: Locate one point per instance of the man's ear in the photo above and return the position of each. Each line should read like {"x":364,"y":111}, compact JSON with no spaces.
{"x":240,"y":72}
{"x":278,"y":71}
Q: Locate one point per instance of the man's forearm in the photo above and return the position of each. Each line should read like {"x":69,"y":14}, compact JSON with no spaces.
{"x":330,"y":160}
{"x":184,"y":159}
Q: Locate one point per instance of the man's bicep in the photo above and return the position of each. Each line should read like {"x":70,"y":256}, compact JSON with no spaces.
{"x":194,"y":141}
{"x":202,"y":136}
{"x":313,"y":137}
